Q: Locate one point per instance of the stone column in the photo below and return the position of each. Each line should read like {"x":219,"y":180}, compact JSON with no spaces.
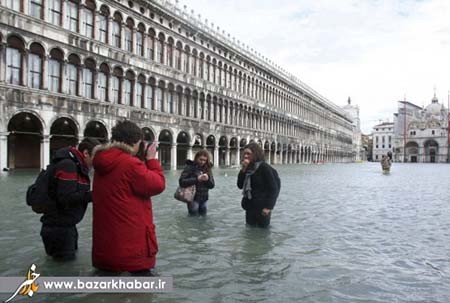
{"x":24,"y":74}
{"x":173,"y":157}
{"x":189,"y":153}
{"x":274,"y":160}
{"x":80,"y":86}
{"x":227,"y":156}
{"x":95,"y":87}
{"x":45,"y":151}
{"x":216,"y":156}
{"x":269,"y":160}
{"x":2,"y":62}
{"x":238,"y":151}
{"x":3,"y":151}
{"x":281,"y":154}
{"x":44,"y":79}
{"x":64,"y":86}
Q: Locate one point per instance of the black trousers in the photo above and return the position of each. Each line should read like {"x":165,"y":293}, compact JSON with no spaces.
{"x":60,"y":242}
{"x":254,"y":217}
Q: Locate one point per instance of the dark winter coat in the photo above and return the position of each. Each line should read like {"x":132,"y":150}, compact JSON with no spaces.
{"x":72,"y":188}
{"x":124,"y":237}
{"x":265,"y":188}
{"x":189,"y":177}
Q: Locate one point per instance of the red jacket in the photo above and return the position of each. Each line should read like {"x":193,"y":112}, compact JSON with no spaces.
{"x":124,"y":237}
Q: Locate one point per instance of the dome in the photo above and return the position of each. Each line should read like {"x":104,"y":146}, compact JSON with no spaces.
{"x":434,"y":108}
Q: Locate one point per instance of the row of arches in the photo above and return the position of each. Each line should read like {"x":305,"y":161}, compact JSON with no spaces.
{"x":29,"y":145}
{"x":72,"y":74}
{"x":115,"y":28}
{"x":428,"y":151}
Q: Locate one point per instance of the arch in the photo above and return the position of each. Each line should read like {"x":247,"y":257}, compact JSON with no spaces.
{"x":24,"y":140}
{"x":243,"y":143}
{"x":148,"y":134}
{"x":63,"y":132}
{"x":97,"y":130}
{"x":183,"y":145}
{"x":165,"y":139}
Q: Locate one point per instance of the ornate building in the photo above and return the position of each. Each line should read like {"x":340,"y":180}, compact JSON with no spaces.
{"x":383,"y":139}
{"x":72,"y":68}
{"x":423,"y":131}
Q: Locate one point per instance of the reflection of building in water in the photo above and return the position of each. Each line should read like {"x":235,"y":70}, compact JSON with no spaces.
{"x":70,"y":69}
{"x":423,"y":132}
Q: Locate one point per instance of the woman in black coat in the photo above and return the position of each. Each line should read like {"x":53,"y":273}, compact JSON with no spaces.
{"x":260,"y":186}
{"x":198,"y":173}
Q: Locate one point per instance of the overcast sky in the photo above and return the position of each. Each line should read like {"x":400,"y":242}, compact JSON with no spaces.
{"x":377,"y":52}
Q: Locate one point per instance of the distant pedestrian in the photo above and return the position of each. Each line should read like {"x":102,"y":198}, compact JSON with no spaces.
{"x":71,"y":188}
{"x":198,"y":173}
{"x":124,"y":237}
{"x":386,"y":163}
{"x":260,"y":186}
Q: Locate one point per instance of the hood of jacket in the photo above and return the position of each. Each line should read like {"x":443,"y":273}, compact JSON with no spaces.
{"x":107,"y":156}
{"x":73,"y":154}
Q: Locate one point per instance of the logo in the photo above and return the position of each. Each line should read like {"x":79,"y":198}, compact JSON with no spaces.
{"x":27,"y":287}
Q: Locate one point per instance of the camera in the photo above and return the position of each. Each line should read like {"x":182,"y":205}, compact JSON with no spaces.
{"x":142,"y":152}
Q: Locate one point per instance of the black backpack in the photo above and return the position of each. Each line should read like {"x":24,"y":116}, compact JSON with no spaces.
{"x":41,"y":195}
{"x":277,"y":179}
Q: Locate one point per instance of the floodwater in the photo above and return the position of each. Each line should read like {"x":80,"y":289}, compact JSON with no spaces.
{"x":340,"y":233}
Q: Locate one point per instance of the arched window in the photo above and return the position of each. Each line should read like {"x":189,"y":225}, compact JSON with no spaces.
{"x":14,"y":54}
{"x":129,"y":35}
{"x":140,"y":86}
{"x":159,"y":95}
{"x":72,"y":74}
{"x":201,"y":67}
{"x":87,"y":28}
{"x":35,"y":65}
{"x":14,"y":4}
{"x":72,"y":15}
{"x":117,"y":30}
{"x":103,"y":24}
{"x":169,"y":52}
{"x":54,"y":70}
{"x":160,"y":50}
{"x":149,"y":95}
{"x":35,"y":7}
{"x":128,"y":87}
{"x":178,"y":54}
{"x":151,"y":44}
{"x":185,"y":59}
{"x":169,"y":106}
{"x":140,"y":40}
{"x":207,"y":67}
{"x":116,"y":85}
{"x":102,"y":82}
{"x":88,"y":78}
{"x":194,"y":63}
{"x":54,"y":12}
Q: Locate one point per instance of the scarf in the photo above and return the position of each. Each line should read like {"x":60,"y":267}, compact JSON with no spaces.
{"x":247,"y":189}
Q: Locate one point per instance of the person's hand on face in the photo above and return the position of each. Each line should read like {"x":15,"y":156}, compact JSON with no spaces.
{"x":151,"y":151}
{"x":265,"y":212}
{"x":248,"y":156}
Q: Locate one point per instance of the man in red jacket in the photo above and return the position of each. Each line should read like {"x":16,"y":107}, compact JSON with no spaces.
{"x":124,"y":237}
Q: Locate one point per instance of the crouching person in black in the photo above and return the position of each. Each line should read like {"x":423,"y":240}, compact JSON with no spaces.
{"x":71,"y":191}
{"x":260,"y":186}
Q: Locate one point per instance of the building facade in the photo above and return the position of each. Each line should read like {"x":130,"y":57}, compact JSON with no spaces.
{"x":383,"y":140}
{"x":72,"y":68}
{"x":421,"y":134}
{"x":359,"y":152}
